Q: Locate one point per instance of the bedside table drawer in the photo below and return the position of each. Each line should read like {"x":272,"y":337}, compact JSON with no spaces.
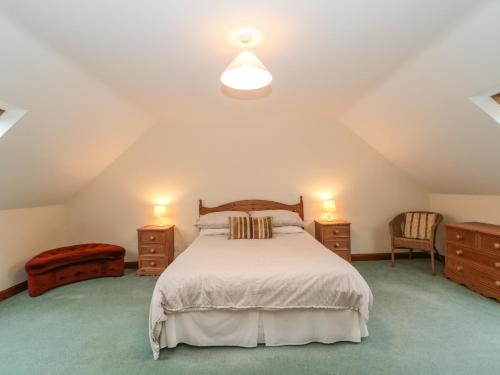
{"x":338,"y":244}
{"x":331,"y":232}
{"x":153,"y":262}
{"x":151,"y":237}
{"x":152,"y":250}
{"x":346,"y":254}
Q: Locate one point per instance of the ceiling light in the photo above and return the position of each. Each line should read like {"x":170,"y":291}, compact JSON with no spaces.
{"x":246,"y":71}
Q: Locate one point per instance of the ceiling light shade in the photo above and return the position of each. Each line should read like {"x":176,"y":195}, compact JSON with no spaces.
{"x":246,"y":72}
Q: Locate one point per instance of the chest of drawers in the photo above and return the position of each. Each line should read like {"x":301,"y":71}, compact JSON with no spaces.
{"x":335,"y":235}
{"x":473,"y":256}
{"x":156,"y":249}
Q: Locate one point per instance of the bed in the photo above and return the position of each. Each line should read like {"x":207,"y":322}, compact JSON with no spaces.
{"x":287,"y":290}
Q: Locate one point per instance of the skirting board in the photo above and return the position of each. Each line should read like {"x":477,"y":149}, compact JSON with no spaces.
{"x":387,"y":256}
{"x":13,"y":290}
{"x":133,"y":265}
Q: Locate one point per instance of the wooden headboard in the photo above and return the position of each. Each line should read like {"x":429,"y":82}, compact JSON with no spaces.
{"x":254,"y":205}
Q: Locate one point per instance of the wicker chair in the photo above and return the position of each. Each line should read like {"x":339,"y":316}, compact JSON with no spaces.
{"x":398,"y":241}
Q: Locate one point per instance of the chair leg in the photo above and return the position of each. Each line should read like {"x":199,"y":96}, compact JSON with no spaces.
{"x":433,"y":263}
{"x":392,"y":256}
{"x":410,"y":253}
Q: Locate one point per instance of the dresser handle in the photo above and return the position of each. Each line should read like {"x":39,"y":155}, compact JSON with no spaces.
{"x":459,"y":237}
{"x":337,"y":244}
{"x":153,"y":264}
{"x":496,"y":245}
{"x":152,"y":238}
{"x":459,"y":252}
{"x":336,"y":231}
{"x":152,"y":251}
{"x":497,"y":265}
{"x":460,"y":268}
{"x":497,"y":283}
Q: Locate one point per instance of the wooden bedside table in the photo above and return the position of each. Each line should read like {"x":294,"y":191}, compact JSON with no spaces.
{"x":156,"y":249}
{"x":335,"y":235}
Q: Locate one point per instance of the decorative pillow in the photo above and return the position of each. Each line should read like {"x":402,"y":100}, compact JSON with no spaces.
{"x":214,"y":231}
{"x":418,"y":225}
{"x":262,"y":227}
{"x":287,"y":230}
{"x":281,"y":218}
{"x":218,"y":219}
{"x":239,"y":227}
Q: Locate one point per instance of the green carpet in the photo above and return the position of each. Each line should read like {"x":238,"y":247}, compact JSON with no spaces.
{"x":419,"y":325}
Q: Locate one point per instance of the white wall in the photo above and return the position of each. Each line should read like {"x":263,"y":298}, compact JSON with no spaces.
{"x":459,"y":208}
{"x":24,"y":233}
{"x":225,"y":159}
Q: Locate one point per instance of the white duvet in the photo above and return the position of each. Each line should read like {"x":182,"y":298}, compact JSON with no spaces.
{"x":289,"y":271}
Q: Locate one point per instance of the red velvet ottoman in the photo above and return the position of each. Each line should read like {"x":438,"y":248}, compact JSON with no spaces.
{"x":70,"y":264}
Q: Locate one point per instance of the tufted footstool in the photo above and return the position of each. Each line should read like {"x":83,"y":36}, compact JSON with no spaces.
{"x":70,"y":264}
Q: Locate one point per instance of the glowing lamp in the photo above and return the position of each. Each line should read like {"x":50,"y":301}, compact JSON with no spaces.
{"x":329,"y":207}
{"x":160,"y":213}
{"x":246,"y":72}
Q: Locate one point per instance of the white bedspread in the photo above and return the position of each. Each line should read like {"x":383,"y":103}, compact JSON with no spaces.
{"x":289,"y":271}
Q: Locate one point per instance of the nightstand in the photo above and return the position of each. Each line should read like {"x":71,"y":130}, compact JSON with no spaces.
{"x":156,"y":249}
{"x":335,"y":235}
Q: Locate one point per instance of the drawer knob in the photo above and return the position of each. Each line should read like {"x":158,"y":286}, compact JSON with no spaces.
{"x":459,"y":252}
{"x":496,"y":245}
{"x":459,"y":237}
{"x":497,"y":283}
{"x":497,"y":265}
{"x":152,"y":238}
{"x":152,"y":251}
{"x":460,"y":268}
{"x":153,"y":264}
{"x":336,"y":231}
{"x":337,"y":244}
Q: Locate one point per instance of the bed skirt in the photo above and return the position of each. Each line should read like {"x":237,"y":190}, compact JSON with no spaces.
{"x":272,"y":328}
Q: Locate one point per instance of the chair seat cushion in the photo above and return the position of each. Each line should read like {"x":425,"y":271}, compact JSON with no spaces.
{"x":412,"y":243}
{"x":62,"y":256}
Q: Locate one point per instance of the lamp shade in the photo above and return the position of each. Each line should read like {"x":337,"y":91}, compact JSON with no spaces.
{"x":329,"y":205}
{"x":246,"y":72}
{"x":160,"y":212}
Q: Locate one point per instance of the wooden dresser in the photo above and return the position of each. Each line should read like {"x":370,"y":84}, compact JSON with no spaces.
{"x":156,"y":249}
{"x":335,"y":235}
{"x":473,"y":256}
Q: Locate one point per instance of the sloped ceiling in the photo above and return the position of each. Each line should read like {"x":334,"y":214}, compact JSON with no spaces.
{"x":422,"y":119}
{"x":95,"y":75}
{"x":75,"y":126}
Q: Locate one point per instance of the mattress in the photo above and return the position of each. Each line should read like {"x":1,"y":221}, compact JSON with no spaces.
{"x":287,"y":272}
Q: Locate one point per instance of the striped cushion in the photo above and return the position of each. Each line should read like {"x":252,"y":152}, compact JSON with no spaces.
{"x":262,"y":227}
{"x":239,"y":227}
{"x":418,"y":225}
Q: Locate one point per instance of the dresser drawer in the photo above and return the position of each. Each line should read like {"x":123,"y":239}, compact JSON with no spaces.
{"x":460,"y":236}
{"x":151,"y":237}
{"x":338,"y":244}
{"x":331,"y":232}
{"x":484,"y":280}
{"x":482,"y":257}
{"x":490,"y":243}
{"x":153,"y":262}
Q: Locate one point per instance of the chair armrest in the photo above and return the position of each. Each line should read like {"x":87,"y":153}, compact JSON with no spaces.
{"x":395,"y":226}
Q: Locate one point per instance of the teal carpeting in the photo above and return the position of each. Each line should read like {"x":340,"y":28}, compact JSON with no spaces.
{"x":419,"y":325}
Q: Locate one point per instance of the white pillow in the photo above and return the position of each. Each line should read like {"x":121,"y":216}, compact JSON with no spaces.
{"x":287,"y":230}
{"x":281,"y":218}
{"x":214,"y":231}
{"x":218,"y":219}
